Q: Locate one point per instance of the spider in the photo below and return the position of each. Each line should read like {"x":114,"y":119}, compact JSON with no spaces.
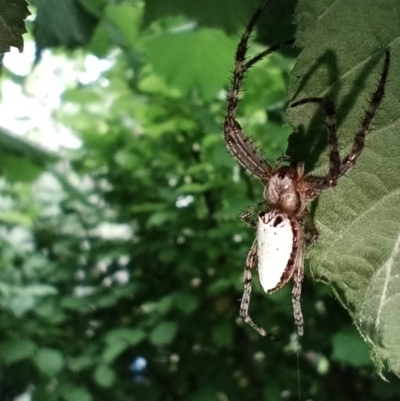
{"x":278,"y":248}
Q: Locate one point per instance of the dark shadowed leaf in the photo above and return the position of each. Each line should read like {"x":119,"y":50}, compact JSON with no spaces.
{"x":12,"y":24}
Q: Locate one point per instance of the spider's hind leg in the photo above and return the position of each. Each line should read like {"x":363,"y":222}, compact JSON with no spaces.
{"x":331,"y":126}
{"x":251,"y":261}
{"x":296,"y":295}
{"x":358,"y":144}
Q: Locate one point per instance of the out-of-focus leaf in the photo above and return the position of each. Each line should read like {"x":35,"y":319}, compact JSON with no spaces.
{"x":222,"y":334}
{"x":198,"y":60}
{"x":123,"y":21}
{"x":64,"y":23}
{"x":11,"y":144}
{"x":15,"y":350}
{"x":277,"y":22}
{"x":130,"y":336}
{"x":104,"y":376}
{"x":164,"y":333}
{"x":186,"y":302}
{"x":74,"y":393}
{"x":350,"y":348}
{"x":12,"y":25}
{"x":49,"y":361}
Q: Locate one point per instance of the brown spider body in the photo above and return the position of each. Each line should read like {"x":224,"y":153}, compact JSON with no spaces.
{"x":288,"y":191}
{"x":278,"y":250}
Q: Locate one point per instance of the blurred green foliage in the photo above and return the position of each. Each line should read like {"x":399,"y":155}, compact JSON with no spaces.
{"x":131,"y":245}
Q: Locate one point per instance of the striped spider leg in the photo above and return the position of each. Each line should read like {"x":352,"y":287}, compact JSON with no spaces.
{"x":284,"y":224}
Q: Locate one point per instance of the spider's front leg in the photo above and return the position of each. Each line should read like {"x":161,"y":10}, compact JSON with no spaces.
{"x":241,"y":147}
{"x":244,"y":151}
{"x":251,"y":262}
{"x":250,"y":215}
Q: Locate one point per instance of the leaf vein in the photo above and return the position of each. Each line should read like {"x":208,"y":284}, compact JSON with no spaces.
{"x":388,"y":265}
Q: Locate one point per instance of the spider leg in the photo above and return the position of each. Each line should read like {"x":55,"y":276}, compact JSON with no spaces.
{"x":297,"y":278}
{"x":331,"y":127}
{"x":312,"y":233}
{"x":240,"y":146}
{"x":249,"y":215}
{"x":339,"y":168}
{"x":251,"y":261}
{"x":244,"y":151}
{"x":350,"y":160}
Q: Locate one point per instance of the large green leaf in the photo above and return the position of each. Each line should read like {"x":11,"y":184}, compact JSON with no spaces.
{"x":359,"y":221}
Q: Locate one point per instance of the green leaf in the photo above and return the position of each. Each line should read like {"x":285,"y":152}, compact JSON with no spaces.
{"x":74,"y":393}
{"x":358,"y":251}
{"x":350,"y":348}
{"x":123,"y":21}
{"x":199,"y":60}
{"x":49,"y":361}
{"x":16,"y":350}
{"x":118,"y":340}
{"x":81,"y":362}
{"x":114,"y":349}
{"x":104,"y":376}
{"x":164,"y":333}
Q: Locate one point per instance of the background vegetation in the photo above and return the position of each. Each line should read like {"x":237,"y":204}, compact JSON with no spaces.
{"x":121,"y":260}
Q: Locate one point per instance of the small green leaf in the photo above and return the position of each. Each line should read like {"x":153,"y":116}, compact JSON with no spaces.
{"x":104,"y":376}
{"x":130,"y":336}
{"x":113,"y":350}
{"x":14,"y":351}
{"x":74,"y":393}
{"x":49,"y":361}
{"x":164,"y":333}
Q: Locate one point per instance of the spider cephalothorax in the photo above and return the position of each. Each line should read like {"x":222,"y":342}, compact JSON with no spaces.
{"x":278,"y":249}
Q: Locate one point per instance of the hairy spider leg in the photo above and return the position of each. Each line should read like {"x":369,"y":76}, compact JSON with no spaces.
{"x":251,"y":261}
{"x":331,"y":127}
{"x":249,"y":215}
{"x":298,"y":277}
{"x":310,"y":229}
{"x":321,"y":183}
{"x":240,"y":146}
{"x":350,"y":160}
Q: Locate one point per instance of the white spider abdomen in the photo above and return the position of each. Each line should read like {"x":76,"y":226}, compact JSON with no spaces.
{"x":275,"y":247}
